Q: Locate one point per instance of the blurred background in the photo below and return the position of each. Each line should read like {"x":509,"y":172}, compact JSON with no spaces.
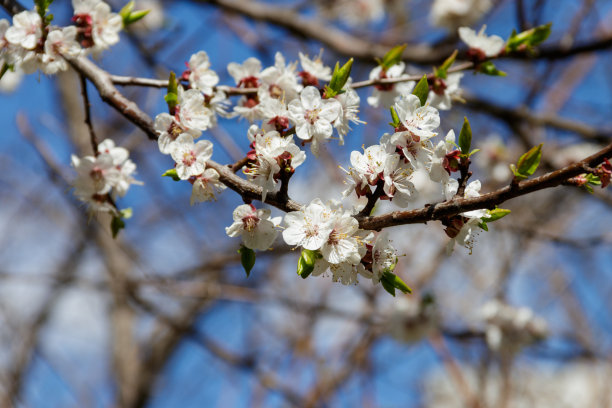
{"x":163,"y":316}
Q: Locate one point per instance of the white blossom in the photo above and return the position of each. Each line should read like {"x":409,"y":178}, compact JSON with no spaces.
{"x":280,"y":80}
{"x":385,"y":95}
{"x":206,"y":186}
{"x":455,"y":13}
{"x":315,"y":67}
{"x":201,"y":77}
{"x":59,"y":43}
{"x":490,"y":46}
{"x":98,"y":26}
{"x":191,"y":110}
{"x":254,"y":226}
{"x":349,"y":104}
{"x":26,"y":30}
{"x":448,"y":90}
{"x":308,"y":227}
{"x":169,"y":129}
{"x":313,"y":116}
{"x":190,"y":157}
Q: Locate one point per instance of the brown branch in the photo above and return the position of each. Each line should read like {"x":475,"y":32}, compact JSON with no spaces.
{"x":490,"y":200}
{"x":88,"y":122}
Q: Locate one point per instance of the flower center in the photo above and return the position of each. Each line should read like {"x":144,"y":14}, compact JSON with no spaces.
{"x":312,"y":116}
{"x":189,"y":158}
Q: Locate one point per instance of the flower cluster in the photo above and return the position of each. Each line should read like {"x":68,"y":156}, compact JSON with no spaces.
{"x":30,"y":44}
{"x":103,"y":177}
{"x":441,"y":94}
{"x":342,"y":247}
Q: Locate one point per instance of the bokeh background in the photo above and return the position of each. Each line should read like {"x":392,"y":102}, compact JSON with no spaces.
{"x":163,"y":316}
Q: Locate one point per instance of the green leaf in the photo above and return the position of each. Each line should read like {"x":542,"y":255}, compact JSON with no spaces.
{"x":172,"y":174}
{"x":247,"y":259}
{"x":117,"y":224}
{"x":392,"y":57}
{"x":496,"y":214}
{"x":388,"y":286}
{"x":473,"y":152}
{"x":442,"y":70}
{"x":528,"y":162}
{"x":593,"y":179}
{"x":306,"y":262}
{"x":421,"y":90}
{"x":465,"y":137}
{"x":126,"y":10}
{"x":339,"y":78}
{"x":394,"y":281}
{"x":395,"y":119}
{"x":483,"y":225}
{"x":529,"y":38}
{"x":488,"y":68}
{"x":134,"y":17}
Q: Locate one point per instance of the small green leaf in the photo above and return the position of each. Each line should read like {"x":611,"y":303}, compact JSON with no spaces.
{"x":306,"y":262}
{"x":496,"y":214}
{"x":529,"y":162}
{"x":392,"y":57}
{"x":529,"y":38}
{"x":442,"y":70}
{"x":394,"y":281}
{"x":117,"y":224}
{"x":339,"y":78}
{"x":247,"y":259}
{"x":395,"y":119}
{"x":483,"y":225}
{"x":388,"y":286}
{"x":134,"y":17}
{"x":593,"y":179}
{"x":465,"y":137}
{"x":126,"y":10}
{"x":421,"y":90}
{"x":488,"y":68}
{"x":474,"y":152}
{"x":172,"y":174}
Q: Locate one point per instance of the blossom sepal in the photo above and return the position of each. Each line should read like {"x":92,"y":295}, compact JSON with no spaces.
{"x":117,"y":223}
{"x":247,"y":259}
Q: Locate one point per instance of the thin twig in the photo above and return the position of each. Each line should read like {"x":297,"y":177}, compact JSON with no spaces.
{"x":88,"y":121}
